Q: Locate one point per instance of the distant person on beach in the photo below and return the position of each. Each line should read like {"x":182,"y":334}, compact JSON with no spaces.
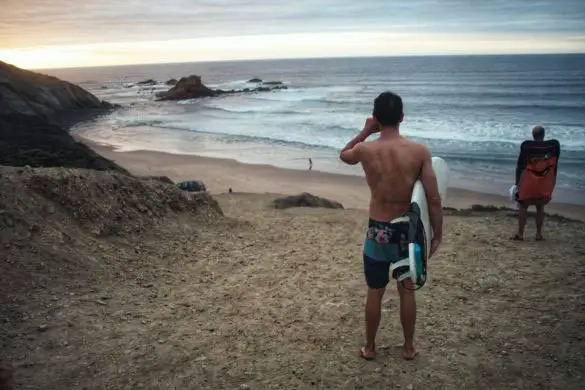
{"x":536,"y":177}
{"x":391,"y":165}
{"x":310,"y":164}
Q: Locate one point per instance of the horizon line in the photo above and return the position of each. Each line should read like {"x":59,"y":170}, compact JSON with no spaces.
{"x":310,"y":58}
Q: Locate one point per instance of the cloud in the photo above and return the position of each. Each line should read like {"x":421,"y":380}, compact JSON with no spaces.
{"x":33,"y":23}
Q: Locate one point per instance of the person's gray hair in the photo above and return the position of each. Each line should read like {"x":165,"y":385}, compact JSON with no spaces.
{"x":538,"y":132}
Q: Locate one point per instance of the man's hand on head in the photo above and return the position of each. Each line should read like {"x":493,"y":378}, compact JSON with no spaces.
{"x":371,"y":126}
{"x":350,"y":154}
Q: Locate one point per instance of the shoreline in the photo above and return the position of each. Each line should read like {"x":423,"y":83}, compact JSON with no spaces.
{"x":221,"y":174}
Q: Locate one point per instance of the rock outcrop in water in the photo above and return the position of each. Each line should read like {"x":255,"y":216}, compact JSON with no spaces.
{"x":33,"y":94}
{"x":191,"y":87}
{"x":187,"y":88}
{"x":146,"y":82}
{"x":30,"y":103}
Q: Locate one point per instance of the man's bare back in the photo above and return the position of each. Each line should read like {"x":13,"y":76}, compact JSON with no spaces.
{"x":391,"y":164}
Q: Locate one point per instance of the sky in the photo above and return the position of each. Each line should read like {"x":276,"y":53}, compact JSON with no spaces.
{"x":75,"y":33}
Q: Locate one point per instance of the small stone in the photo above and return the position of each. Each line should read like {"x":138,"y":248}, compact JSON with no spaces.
{"x":244,"y":386}
{"x":201,"y":358}
{"x":100,"y":302}
{"x":410,"y":387}
{"x":148,"y":285}
{"x":43,"y":327}
{"x":504,"y":353}
{"x":378,"y":369}
{"x":7,"y":246}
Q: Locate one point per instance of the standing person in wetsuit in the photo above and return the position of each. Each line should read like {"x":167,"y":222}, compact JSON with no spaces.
{"x":536,"y":174}
{"x":391,"y":165}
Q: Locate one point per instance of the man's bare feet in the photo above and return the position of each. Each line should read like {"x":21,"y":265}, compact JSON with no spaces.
{"x":517,"y":237}
{"x":409,"y":353}
{"x":367,"y":353}
{"x":539,"y":237}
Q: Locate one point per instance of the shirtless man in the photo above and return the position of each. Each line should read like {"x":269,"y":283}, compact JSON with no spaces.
{"x":391,"y":164}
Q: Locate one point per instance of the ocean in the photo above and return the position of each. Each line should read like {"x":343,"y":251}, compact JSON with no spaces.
{"x":474,"y":111}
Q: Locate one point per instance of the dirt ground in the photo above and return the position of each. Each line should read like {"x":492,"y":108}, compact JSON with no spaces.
{"x":274,"y":299}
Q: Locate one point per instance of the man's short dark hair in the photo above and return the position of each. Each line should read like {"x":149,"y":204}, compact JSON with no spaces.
{"x":538,"y":133}
{"x":388,"y":109}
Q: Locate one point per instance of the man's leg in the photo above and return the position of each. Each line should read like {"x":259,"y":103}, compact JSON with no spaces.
{"x":373,"y":314}
{"x":377,"y":277}
{"x":521,"y":220}
{"x":539,"y":220}
{"x":407,"y":316}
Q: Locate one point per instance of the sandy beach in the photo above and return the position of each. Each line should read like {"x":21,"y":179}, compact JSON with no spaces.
{"x":221,"y":174}
{"x":177,"y":296}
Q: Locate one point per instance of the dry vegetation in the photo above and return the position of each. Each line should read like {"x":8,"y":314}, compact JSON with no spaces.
{"x":263,"y":298}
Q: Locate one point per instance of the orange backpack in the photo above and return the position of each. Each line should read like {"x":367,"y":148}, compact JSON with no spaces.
{"x":538,"y":179}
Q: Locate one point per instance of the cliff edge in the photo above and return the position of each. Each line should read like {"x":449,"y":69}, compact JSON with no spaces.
{"x":29,"y":134}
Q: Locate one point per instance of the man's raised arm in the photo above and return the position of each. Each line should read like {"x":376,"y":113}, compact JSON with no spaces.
{"x":350,"y":154}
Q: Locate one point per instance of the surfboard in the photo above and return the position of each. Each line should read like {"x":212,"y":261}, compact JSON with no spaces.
{"x":420,"y":231}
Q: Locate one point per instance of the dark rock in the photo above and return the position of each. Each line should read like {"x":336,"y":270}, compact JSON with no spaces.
{"x":192,"y":186}
{"x":187,"y":88}
{"x":33,"y":94}
{"x":146,"y":82}
{"x":255,"y":80}
{"x":272,"y":83}
{"x":33,"y":141}
{"x":171,"y":82}
{"x":191,"y":87}
{"x":305,"y":200}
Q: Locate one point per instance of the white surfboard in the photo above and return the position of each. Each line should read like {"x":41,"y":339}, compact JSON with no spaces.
{"x":424,"y":236}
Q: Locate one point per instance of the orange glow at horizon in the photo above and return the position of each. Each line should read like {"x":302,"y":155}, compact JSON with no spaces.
{"x":284,"y":46}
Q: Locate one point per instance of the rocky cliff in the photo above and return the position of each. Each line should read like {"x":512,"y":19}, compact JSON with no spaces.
{"x":37,"y":142}
{"x":29,"y":104}
{"x":34,"y":94}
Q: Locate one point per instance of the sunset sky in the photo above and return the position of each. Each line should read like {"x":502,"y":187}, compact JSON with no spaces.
{"x":65,"y":33}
